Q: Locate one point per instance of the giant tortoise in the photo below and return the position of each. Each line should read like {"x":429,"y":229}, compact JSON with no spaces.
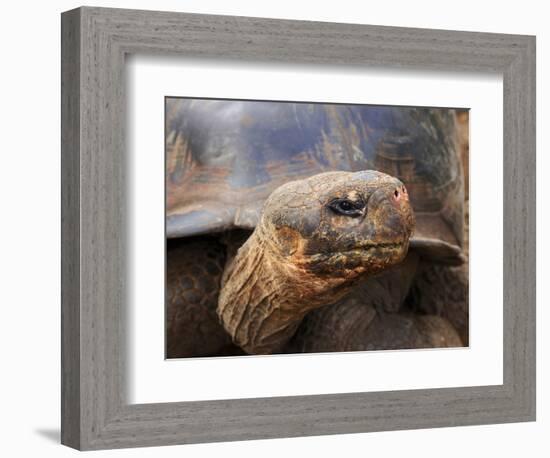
{"x":297,"y":227}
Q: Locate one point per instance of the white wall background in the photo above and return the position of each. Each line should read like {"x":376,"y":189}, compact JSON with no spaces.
{"x":29,"y":228}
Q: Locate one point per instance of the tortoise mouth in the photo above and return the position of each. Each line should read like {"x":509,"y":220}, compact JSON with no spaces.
{"x":361,"y":259}
{"x":371,"y":246}
{"x":375,"y":257}
{"x":374,"y":254}
{"x":361,"y":250}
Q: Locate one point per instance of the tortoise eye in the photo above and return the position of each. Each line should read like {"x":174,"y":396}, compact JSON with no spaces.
{"x":347,"y":207}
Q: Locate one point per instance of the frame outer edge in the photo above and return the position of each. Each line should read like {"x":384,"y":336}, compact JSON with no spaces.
{"x":70,"y":229}
{"x":92,"y":392}
{"x":520,"y":232}
{"x":528,"y":125}
{"x":531,"y":124}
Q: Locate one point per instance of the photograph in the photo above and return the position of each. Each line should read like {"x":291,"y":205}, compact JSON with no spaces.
{"x":307,"y":227}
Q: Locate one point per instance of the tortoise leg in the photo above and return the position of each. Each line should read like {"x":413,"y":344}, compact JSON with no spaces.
{"x":373,"y":318}
{"x":193,"y":274}
{"x":438,"y":331}
{"x":444,"y":291}
{"x":353,"y":326}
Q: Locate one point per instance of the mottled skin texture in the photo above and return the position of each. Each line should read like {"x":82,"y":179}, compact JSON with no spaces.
{"x":308,"y":251}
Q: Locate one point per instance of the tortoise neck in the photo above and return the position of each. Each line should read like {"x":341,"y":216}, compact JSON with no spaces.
{"x":264,"y":296}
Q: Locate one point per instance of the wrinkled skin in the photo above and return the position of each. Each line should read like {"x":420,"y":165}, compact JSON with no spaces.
{"x":374,"y":316}
{"x":316,"y":239}
{"x":427,"y":296}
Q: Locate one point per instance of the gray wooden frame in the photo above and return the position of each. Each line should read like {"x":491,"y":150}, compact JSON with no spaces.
{"x":95,"y":413}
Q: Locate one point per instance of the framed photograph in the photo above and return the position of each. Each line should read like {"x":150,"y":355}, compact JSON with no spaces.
{"x":313,"y":227}
{"x":277,"y":228}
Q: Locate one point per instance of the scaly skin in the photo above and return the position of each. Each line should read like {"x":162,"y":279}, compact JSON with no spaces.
{"x":442,"y":290}
{"x":193,"y":276}
{"x":352,"y":325}
{"x":308,"y":251}
{"x":373,"y":317}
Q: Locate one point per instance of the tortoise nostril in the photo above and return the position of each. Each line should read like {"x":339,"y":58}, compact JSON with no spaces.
{"x":396,"y":194}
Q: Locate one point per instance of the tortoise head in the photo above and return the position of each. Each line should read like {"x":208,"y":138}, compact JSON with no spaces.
{"x":341,"y":224}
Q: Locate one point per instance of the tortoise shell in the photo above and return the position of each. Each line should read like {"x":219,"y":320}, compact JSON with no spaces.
{"x":225,"y":157}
